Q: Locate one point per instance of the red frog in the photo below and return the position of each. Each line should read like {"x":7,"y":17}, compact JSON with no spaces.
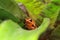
{"x":30,"y":24}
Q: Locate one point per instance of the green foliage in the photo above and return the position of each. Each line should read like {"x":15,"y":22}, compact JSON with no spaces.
{"x":4,"y":15}
{"x":34,"y":7}
{"x":56,"y":34}
{"x":58,"y":19}
{"x":9,"y":30}
{"x":10,"y":10}
{"x":52,"y":12}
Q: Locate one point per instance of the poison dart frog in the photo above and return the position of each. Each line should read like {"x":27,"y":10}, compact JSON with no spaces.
{"x":30,"y":24}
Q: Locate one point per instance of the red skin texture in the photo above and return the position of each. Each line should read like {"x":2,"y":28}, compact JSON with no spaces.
{"x":30,"y":24}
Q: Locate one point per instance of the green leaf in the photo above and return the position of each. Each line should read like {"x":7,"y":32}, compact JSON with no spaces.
{"x":4,"y":15}
{"x":9,"y":30}
{"x":10,"y":10}
{"x":52,"y":12}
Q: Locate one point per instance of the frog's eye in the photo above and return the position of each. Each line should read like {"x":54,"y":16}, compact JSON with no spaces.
{"x":30,"y":20}
{"x":32,"y":25}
